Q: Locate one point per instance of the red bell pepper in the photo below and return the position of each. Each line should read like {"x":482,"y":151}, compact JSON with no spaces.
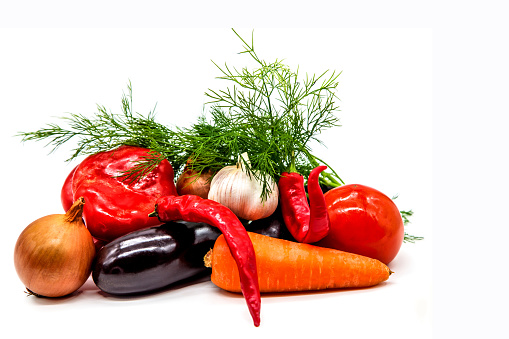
{"x":116,"y":206}
{"x":195,"y":209}
{"x":306,"y":223}
{"x":66,"y":195}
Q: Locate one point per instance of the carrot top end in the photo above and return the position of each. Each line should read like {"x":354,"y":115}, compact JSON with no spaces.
{"x":207,"y":259}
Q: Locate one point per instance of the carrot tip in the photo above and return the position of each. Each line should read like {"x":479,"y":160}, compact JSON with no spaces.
{"x":207,"y":259}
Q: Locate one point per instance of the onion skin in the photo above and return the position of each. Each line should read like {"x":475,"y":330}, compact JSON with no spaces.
{"x":189,"y":183}
{"x":53,"y":255}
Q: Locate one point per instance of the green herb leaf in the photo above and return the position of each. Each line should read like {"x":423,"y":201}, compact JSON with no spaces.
{"x":266,"y":111}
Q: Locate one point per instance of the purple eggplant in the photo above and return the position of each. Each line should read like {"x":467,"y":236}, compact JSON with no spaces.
{"x":154,"y":258}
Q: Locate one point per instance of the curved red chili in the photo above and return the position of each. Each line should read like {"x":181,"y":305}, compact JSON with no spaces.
{"x":306,"y":223}
{"x":192,"y":208}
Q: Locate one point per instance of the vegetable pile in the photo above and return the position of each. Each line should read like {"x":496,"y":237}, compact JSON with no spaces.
{"x":148,"y":202}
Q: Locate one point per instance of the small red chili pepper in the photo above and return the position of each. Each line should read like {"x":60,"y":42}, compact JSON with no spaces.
{"x":306,"y":223}
{"x":192,"y":208}
{"x":116,"y":206}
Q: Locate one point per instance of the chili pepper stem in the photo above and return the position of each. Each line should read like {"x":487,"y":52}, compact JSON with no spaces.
{"x":154,"y":213}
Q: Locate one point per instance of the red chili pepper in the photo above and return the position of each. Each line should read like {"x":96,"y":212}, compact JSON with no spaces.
{"x":306,"y":223}
{"x":116,"y":206}
{"x":192,"y":208}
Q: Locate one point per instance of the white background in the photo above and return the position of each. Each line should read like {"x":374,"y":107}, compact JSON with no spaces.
{"x":421,"y":95}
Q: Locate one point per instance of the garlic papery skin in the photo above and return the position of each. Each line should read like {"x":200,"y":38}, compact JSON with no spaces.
{"x":235,"y":189}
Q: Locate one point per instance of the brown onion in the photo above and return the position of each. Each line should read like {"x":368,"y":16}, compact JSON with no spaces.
{"x":53,"y":255}
{"x":190,"y":182}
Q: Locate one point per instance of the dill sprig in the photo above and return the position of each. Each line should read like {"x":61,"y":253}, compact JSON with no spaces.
{"x":268,"y":113}
{"x":102,"y":132}
{"x":279,"y":114}
{"x":405,"y":215}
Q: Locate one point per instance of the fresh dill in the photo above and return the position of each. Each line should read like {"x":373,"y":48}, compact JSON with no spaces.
{"x":267,"y":112}
{"x":278,"y":113}
{"x":405,"y":215}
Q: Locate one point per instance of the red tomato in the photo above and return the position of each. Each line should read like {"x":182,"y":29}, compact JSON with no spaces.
{"x":363,"y":221}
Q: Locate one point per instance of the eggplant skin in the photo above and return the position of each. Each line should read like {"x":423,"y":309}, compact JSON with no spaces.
{"x":272,"y":226}
{"x":154,"y":258}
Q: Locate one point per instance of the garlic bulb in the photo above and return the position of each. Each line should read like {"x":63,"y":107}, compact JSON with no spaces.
{"x":233,"y":188}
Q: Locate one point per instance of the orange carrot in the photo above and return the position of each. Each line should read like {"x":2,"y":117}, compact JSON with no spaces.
{"x":286,"y":266}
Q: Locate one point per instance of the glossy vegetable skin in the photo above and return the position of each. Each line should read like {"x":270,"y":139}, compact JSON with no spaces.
{"x":153,"y":258}
{"x":66,"y":195}
{"x":273,"y":226}
{"x":195,"y":209}
{"x":116,"y":204}
{"x":307,"y":220}
{"x":66,"y":198}
{"x":364,"y":221}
